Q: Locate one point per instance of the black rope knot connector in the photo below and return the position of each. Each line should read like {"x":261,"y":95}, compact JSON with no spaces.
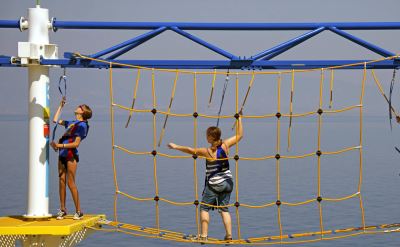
{"x":154,"y":152}
{"x":195,"y":156}
{"x":237,"y":204}
{"x":196,"y":202}
{"x":318,"y":153}
{"x":319,"y":199}
{"x":236,"y":157}
{"x":156,"y":198}
{"x":236,"y":115}
{"x":278,"y":115}
{"x":278,"y":203}
{"x":277,"y":156}
{"x":195,"y":114}
{"x":154,"y":111}
{"x":320,"y":111}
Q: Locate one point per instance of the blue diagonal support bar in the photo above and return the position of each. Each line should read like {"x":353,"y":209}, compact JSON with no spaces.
{"x":362,"y":43}
{"x":204,"y":43}
{"x":139,"y":38}
{"x":136,"y":44}
{"x":288,"y":44}
{"x":126,"y":49}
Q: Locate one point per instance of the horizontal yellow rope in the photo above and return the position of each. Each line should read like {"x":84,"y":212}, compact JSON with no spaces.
{"x":131,"y":152}
{"x":304,"y":114}
{"x":298,"y":203}
{"x":341,"y":151}
{"x":176,"y":203}
{"x":134,"y":198}
{"x":297,"y":156}
{"x":258,"y":206}
{"x":238,"y":73}
{"x":242,"y":158}
{"x":342,"y":198}
{"x":290,"y":204}
{"x":299,"y":114}
{"x":258,"y":158}
{"x":131,"y":109}
{"x":343,"y":109}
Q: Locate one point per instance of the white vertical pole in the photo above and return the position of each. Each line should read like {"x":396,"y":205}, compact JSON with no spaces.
{"x":39,"y":113}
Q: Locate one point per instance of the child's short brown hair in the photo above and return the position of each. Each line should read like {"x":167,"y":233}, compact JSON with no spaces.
{"x":87,"y":112}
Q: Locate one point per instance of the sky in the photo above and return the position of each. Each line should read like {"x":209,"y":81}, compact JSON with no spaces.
{"x":90,"y":85}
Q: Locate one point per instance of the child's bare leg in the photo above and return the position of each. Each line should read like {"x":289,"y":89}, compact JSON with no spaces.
{"x":72,"y":166}
{"x":226,"y":218}
{"x":62,"y":185}
{"x":205,"y":220}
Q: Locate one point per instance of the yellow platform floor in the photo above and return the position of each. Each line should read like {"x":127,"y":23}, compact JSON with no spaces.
{"x":18,"y":225}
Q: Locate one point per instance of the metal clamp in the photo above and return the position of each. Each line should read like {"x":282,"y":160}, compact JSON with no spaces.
{"x":23,"y":24}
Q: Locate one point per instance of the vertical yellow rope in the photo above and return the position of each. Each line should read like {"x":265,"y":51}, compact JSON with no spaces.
{"x":237,"y":153}
{"x":247,"y":94}
{"x":331,"y":89}
{"x":212,"y":87}
{"x":321,"y":84}
{"x":134,"y":97}
{"x":153,"y":91}
{"x":291,"y":112}
{"x":195,"y":147}
{"x":278,"y":150}
{"x":360,"y":149}
{"x":169,"y":108}
{"x":113,"y":142}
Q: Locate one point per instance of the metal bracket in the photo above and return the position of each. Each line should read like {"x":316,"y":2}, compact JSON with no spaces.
{"x":23,"y":24}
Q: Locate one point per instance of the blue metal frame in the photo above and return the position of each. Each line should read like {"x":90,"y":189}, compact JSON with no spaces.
{"x":261,"y":60}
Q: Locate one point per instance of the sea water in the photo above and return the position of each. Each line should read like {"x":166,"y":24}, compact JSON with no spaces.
{"x":257,"y":179}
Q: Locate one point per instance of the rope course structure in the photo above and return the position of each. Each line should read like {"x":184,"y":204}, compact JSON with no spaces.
{"x":321,"y":234}
{"x":39,"y":55}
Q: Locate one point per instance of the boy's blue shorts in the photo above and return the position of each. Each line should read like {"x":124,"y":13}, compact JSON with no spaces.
{"x":214,"y":197}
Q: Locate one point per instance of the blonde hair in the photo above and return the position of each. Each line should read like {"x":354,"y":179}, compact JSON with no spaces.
{"x":87,"y":112}
{"x":215,"y":134}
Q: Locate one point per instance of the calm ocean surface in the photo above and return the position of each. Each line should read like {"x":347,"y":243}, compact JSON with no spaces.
{"x":339,"y":177}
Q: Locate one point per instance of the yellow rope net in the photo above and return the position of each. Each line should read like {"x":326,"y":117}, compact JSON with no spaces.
{"x":282,"y":238}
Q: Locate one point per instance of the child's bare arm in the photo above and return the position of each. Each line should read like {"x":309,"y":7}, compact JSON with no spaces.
{"x":188,"y":150}
{"x":74,"y":144}
{"x":233,"y":140}
{"x":58,"y":112}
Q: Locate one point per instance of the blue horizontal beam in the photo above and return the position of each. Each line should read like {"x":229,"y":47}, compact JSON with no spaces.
{"x":226,"y":26}
{"x":289,"y":44}
{"x":9,"y":24}
{"x":362,"y":43}
{"x":211,"y":26}
{"x":5,"y":61}
{"x":223,"y":64}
